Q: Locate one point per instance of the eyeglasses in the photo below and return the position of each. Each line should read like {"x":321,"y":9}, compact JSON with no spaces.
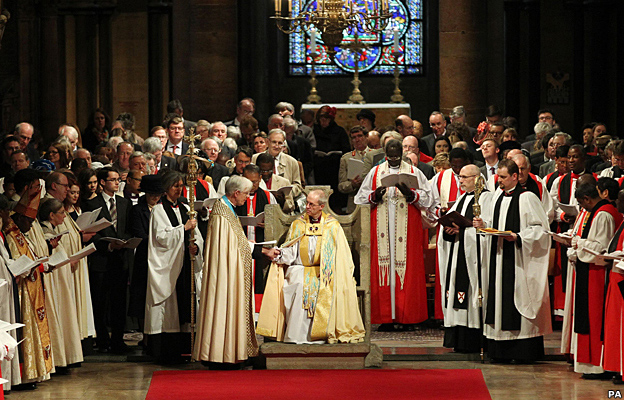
{"x":466,"y":176}
{"x":265,"y":171}
{"x":113,"y":180}
{"x":308,"y":204}
{"x":393,"y":158}
{"x":62,"y":184}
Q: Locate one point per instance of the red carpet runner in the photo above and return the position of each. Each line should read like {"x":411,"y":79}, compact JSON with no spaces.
{"x":319,"y":384}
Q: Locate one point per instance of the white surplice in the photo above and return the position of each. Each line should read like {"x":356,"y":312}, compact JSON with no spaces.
{"x":166,"y":251}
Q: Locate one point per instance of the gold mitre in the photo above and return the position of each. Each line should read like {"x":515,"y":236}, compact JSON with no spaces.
{"x":28,"y":204}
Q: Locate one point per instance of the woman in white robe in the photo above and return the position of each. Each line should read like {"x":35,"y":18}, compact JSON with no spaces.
{"x":167,"y":309}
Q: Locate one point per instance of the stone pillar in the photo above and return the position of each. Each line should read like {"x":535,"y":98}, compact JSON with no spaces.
{"x":205,"y":58}
{"x":462,"y":57}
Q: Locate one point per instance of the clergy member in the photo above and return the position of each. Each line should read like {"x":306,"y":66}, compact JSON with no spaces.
{"x":614,"y":307}
{"x":516,"y":301}
{"x":310,"y":294}
{"x":168,"y":306}
{"x":254,"y":205}
{"x":225,"y":325}
{"x":37,"y":349}
{"x":459,"y":251}
{"x":590,"y":277}
{"x":398,"y":292}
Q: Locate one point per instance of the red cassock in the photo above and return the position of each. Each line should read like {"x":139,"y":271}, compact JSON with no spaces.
{"x":590,"y":346}
{"x":411,"y":300}
{"x":614,"y":321}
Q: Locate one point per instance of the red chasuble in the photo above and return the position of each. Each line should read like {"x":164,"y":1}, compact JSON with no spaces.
{"x":589,"y":301}
{"x":411,"y":300}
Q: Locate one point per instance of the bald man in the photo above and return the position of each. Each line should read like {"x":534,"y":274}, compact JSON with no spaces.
{"x":534,"y":184}
{"x":460,"y":266}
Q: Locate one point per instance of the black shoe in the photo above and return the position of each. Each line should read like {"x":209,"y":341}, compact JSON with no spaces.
{"x":386,"y":328}
{"x":75,"y":365}
{"x":62,"y":371}
{"x":605,"y":376}
{"x":617,"y":380}
{"x":120,"y":348}
{"x":103,"y":350}
{"x":24,"y":386}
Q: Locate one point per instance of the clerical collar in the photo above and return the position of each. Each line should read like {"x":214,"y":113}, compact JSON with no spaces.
{"x":510,"y":191}
{"x":315,"y":221}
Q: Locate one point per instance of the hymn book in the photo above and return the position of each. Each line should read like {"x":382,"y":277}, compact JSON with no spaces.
{"x":284,"y":190}
{"x":24,"y":265}
{"x":568,"y":209}
{"x":251,"y":220}
{"x":132,"y":243}
{"x":410,"y":180}
{"x":561,"y":238}
{"x":355,"y":168}
{"x":456,"y":218}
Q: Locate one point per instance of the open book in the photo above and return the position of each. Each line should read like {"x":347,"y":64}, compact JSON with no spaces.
{"x":50,"y":236}
{"x":284,"y":190}
{"x":97,"y":226}
{"x":568,"y":209}
{"x":562,"y":238}
{"x":393,"y":179}
{"x":208,"y":203}
{"x":24,"y":264}
{"x":355,"y":168}
{"x":132,"y":243}
{"x":83,"y":253}
{"x":252,"y":221}
{"x":319,"y":153}
{"x":87,"y":218}
{"x":617,"y":255}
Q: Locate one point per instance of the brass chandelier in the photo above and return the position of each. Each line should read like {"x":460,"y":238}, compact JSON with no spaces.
{"x":332,"y":17}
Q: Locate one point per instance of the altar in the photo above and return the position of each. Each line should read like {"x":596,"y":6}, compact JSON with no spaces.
{"x":385,"y":113}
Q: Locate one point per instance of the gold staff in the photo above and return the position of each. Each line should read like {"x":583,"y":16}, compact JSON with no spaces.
{"x":191,"y":181}
{"x":476,"y":210}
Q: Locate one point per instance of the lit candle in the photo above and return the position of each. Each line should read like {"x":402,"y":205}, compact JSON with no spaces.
{"x":289,"y":6}
{"x":396,"y":40}
{"x":313,"y":40}
{"x":277,"y":6}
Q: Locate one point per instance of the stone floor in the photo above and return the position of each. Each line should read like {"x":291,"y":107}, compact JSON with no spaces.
{"x":121,"y":377}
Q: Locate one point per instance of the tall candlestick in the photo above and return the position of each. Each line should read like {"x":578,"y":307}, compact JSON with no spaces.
{"x":313,"y":40}
{"x":396,"y":40}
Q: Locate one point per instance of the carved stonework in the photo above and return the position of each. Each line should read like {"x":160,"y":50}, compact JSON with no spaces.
{"x":4,"y":18}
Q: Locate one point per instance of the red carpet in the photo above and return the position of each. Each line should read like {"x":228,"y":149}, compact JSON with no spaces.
{"x":319,"y":384}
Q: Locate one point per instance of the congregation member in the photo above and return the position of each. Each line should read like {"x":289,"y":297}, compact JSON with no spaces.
{"x":153,"y":146}
{"x":108,"y":266}
{"x":411,"y":149}
{"x":437,"y":122}
{"x":459,"y":255}
{"x":359,"y":139}
{"x":175,"y":133}
{"x":216,"y":172}
{"x":490,"y":152}
{"x":168,"y":298}
{"x":311,"y":295}
{"x":285,"y":165}
{"x":534,"y":184}
{"x":516,"y":299}
{"x":398,"y":291}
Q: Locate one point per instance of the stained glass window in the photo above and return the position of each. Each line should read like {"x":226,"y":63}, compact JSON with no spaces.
{"x":377,"y":57}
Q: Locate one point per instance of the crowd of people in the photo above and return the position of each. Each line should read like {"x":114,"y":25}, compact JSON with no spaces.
{"x":500,"y":282}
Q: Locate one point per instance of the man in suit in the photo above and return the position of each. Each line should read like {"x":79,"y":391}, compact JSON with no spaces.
{"x":108,"y":266}
{"x":175,"y":107}
{"x":411,"y":149}
{"x":175,"y":130}
{"x":24,"y":133}
{"x":404,"y":125}
{"x":211,"y":148}
{"x":437,"y":122}
{"x":246,"y":106}
{"x":153,"y":146}
{"x":285,"y":165}
{"x":490,"y":151}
